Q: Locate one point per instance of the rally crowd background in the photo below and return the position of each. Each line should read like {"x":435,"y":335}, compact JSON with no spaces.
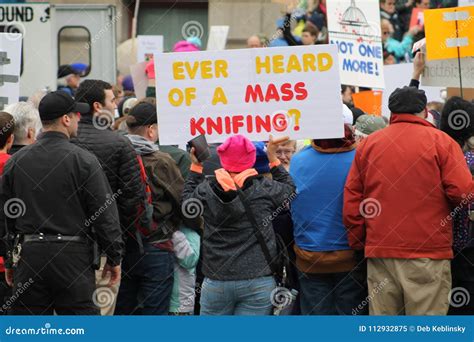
{"x":216,"y":266}
{"x":303,"y":25}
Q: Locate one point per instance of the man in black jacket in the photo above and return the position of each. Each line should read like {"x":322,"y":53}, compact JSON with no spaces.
{"x":114,"y":151}
{"x":51,"y":192}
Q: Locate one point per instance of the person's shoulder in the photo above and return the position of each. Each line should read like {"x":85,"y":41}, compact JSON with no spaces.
{"x":113,"y":140}
{"x":25,"y":151}
{"x":170,"y":149}
{"x":160,"y":158}
{"x":262,"y":182}
{"x":434,"y":132}
{"x":442,"y":138}
{"x":83,"y":154}
{"x":117,"y":135}
{"x":303,"y":154}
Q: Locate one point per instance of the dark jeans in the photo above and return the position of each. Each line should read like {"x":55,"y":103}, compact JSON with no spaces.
{"x":283,"y":226}
{"x":5,"y":294}
{"x":147,"y":282}
{"x":462,"y":272}
{"x":54,"y":277}
{"x":333,"y":293}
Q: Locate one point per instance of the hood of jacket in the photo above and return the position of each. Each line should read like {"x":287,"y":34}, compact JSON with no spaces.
{"x":141,"y":145}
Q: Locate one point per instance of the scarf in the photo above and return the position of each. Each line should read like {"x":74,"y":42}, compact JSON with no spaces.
{"x":228,"y":182}
{"x":336,"y":145}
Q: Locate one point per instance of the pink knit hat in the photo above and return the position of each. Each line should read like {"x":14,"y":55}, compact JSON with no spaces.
{"x":237,"y":154}
{"x":150,"y":69}
{"x":184,"y":46}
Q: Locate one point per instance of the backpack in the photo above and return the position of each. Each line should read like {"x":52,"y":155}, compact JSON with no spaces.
{"x":143,"y":223}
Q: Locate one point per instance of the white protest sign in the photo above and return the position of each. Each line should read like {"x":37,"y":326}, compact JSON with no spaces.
{"x":147,"y":46}
{"x":445,"y":72}
{"x":291,"y":91}
{"x":397,"y":76}
{"x":355,"y":27}
{"x":10,"y":57}
{"x":217,"y":37}
{"x":139,"y":78}
{"x":462,"y":3}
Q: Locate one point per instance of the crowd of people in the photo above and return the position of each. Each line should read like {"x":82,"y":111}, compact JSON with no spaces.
{"x":99,"y":217}
{"x":377,"y":221}
{"x":303,"y":25}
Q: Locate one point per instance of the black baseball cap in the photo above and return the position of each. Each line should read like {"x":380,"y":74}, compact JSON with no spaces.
{"x":144,"y":114}
{"x":59,"y":103}
{"x":66,"y":70}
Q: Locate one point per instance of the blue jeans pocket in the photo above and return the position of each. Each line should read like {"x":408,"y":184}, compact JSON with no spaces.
{"x":157,"y":264}
{"x":213,"y":286}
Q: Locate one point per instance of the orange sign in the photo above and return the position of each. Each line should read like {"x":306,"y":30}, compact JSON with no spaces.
{"x":369,"y":101}
{"x":449,"y":30}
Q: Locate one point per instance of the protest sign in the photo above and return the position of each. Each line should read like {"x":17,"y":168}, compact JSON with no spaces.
{"x":369,"y":101}
{"x":355,"y":28}
{"x":397,"y":76}
{"x":10,"y":56}
{"x":291,"y":91}
{"x":147,"y":46}
{"x":445,"y":72}
{"x":462,"y":3}
{"x":217,"y":37}
{"x":139,"y":78}
{"x":448,"y":32}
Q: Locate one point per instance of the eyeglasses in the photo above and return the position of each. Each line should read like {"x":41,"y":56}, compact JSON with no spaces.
{"x":285,"y":152}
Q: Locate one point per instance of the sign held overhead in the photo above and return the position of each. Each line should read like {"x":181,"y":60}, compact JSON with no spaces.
{"x":255,"y":92}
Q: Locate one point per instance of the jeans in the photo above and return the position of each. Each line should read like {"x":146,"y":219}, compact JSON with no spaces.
{"x":147,"y":282}
{"x":237,"y":297}
{"x":332,"y":294}
{"x":5,"y":294}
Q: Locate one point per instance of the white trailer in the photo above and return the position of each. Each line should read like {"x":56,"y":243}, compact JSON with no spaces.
{"x":62,"y":34}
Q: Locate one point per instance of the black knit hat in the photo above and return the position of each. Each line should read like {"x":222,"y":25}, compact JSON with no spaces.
{"x":409,"y":100}
{"x":142,"y":114}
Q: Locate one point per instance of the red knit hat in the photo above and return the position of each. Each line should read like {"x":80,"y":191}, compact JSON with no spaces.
{"x":237,"y":154}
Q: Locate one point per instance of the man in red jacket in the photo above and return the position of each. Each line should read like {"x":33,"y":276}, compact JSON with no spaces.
{"x":401,"y":191}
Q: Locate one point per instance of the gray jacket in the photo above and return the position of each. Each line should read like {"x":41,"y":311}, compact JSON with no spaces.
{"x":230,"y":249}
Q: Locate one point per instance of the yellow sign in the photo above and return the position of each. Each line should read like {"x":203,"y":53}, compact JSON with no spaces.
{"x":449,"y":30}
